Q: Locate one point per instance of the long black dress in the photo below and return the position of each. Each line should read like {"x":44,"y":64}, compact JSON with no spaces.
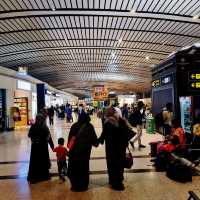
{"x":39,"y":158}
{"x":115,"y":134}
{"x":79,"y":156}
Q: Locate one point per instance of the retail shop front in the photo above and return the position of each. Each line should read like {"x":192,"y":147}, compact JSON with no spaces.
{"x":25,"y":103}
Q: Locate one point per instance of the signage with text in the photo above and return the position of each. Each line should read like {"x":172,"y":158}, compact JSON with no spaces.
{"x":194,"y":76}
{"x":166,"y":80}
{"x":100,"y":93}
{"x":156,"y":83}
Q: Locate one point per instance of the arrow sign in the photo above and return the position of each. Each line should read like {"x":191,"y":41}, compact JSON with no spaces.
{"x":193,"y":76}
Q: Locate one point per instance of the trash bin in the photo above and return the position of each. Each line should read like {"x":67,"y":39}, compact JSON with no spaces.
{"x":150,"y":124}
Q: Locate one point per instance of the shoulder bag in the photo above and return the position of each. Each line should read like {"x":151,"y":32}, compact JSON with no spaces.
{"x":129,"y":159}
{"x":73,"y":139}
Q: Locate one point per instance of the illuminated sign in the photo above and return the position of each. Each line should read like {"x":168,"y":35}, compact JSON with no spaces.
{"x":156,"y":83}
{"x":195,"y":85}
{"x":100,"y":93}
{"x":166,"y":80}
{"x":23,"y":85}
{"x":194,"y":76}
{"x":22,"y":70}
{"x":194,"y":80}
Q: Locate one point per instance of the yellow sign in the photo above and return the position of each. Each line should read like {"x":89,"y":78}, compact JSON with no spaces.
{"x":195,"y":85}
{"x":195,"y":76}
{"x":156,"y":83}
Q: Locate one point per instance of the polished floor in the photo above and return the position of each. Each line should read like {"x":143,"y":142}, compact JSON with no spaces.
{"x":141,"y":182}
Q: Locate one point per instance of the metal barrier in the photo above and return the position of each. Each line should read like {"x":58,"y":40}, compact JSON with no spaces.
{"x":193,"y":196}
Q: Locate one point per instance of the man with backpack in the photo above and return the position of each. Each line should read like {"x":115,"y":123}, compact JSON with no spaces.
{"x":137,"y":117}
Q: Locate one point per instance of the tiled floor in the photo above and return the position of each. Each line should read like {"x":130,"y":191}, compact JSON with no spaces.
{"x":141,"y":182}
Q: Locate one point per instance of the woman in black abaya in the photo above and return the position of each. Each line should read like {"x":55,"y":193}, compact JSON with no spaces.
{"x":79,"y":155}
{"x":39,"y":158}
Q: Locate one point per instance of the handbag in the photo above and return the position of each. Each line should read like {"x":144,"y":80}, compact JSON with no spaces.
{"x":71,"y":143}
{"x":128,"y":160}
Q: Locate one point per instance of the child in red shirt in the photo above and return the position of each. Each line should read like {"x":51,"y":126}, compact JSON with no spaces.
{"x":61,"y":154}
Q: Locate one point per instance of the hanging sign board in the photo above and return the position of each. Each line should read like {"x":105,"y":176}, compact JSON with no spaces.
{"x":156,"y":83}
{"x":100,"y":93}
{"x":22,"y":70}
{"x":194,"y":80}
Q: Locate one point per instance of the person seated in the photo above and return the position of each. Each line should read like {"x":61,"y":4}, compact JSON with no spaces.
{"x":178,"y":131}
{"x":164,"y":151}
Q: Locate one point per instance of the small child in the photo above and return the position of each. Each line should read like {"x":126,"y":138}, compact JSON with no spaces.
{"x":61,"y":154}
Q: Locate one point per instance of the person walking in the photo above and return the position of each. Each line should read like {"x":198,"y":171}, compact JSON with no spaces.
{"x":68,"y":111}
{"x":39,"y":164}
{"x":79,"y":154}
{"x":61,"y":154}
{"x":125,"y":111}
{"x":51,"y":115}
{"x":115,"y":135}
{"x":139,"y":114}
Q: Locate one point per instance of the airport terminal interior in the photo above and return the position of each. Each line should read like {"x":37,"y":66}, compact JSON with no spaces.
{"x":119,"y":78}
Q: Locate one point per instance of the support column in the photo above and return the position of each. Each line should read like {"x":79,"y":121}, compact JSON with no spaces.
{"x":40,"y":97}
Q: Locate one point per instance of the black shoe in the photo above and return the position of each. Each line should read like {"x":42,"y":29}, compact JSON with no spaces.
{"x":118,"y":187}
{"x":142,"y":146}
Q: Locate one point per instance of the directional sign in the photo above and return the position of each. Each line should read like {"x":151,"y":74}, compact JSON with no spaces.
{"x":194,"y":75}
{"x":156,"y":83}
{"x":194,"y":85}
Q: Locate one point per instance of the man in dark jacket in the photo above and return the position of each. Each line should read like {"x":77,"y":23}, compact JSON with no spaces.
{"x":139,"y":114}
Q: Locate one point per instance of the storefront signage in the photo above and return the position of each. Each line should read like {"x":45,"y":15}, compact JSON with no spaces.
{"x":23,"y":85}
{"x":100,"y":93}
{"x":156,"y":83}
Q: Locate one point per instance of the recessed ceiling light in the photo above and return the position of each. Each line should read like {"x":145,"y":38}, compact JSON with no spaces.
{"x":113,"y":54}
{"x":120,"y":40}
{"x":132,"y":11}
{"x":196,"y":17}
{"x":147,"y":57}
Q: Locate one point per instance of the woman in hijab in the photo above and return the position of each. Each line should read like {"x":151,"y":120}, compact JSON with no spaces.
{"x":39,"y":158}
{"x":79,"y":154}
{"x":116,"y":136}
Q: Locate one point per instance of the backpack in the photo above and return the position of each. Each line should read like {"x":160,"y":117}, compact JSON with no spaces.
{"x":177,"y":171}
{"x":159,"y":120}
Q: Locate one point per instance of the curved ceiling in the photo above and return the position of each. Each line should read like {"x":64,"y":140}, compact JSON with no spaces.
{"x":75,"y":44}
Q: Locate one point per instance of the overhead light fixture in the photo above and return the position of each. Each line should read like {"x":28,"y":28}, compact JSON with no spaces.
{"x":147,"y":57}
{"x":132,"y":11}
{"x":195,"y":17}
{"x":53,"y":9}
{"x":120,"y":40}
{"x":113,"y":54}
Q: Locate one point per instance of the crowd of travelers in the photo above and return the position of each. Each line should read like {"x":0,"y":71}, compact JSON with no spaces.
{"x":117,"y":134}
